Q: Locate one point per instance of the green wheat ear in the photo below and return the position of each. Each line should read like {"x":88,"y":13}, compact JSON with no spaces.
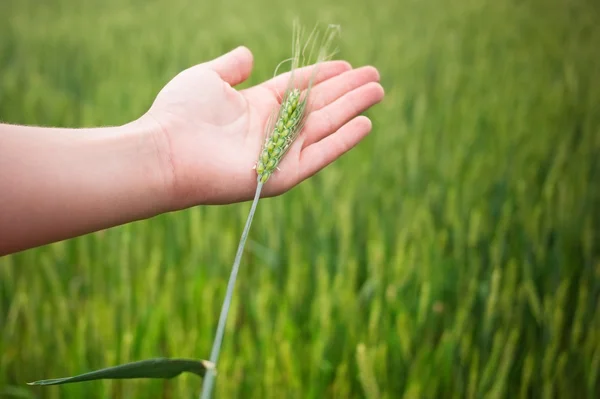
{"x":281,"y":132}
{"x":283,"y":135}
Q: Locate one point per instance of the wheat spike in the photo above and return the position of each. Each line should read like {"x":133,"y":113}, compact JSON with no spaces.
{"x":289,"y":124}
{"x":282,"y":131}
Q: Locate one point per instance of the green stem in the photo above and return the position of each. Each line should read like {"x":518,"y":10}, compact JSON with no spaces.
{"x":214,"y":354}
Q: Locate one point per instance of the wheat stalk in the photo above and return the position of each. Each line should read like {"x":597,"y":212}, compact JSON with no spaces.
{"x":281,"y":132}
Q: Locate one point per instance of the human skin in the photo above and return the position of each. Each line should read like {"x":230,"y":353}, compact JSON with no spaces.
{"x":196,"y":145}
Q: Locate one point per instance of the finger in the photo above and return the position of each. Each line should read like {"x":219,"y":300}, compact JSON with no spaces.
{"x":233,"y":67}
{"x":319,"y":155}
{"x":302,"y":76}
{"x":329,"y":119}
{"x":330,"y":90}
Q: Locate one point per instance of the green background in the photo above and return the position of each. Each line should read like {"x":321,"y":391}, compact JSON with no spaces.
{"x":454,"y":253}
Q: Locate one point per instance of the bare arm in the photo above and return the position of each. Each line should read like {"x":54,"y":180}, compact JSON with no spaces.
{"x":197,"y":144}
{"x":61,"y":183}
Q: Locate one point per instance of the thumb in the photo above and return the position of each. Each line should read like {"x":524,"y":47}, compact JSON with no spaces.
{"x":233,"y":67}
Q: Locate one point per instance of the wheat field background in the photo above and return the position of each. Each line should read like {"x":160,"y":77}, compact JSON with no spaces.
{"x":455,"y":253}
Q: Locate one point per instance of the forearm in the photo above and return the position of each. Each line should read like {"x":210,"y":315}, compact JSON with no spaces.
{"x":60,"y":183}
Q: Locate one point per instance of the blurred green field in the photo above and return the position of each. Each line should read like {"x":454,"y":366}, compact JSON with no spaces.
{"x":454,"y":254}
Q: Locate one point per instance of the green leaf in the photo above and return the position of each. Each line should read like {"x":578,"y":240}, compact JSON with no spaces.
{"x":151,"y":368}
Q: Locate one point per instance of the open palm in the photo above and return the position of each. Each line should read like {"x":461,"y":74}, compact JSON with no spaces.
{"x":210,"y":134}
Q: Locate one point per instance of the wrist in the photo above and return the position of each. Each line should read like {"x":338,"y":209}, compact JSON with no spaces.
{"x":152,"y":163}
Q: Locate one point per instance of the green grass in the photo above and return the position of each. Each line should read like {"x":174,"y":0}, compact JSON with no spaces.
{"x":455,"y":253}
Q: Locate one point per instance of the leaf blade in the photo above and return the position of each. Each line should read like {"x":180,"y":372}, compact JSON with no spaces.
{"x":151,"y":368}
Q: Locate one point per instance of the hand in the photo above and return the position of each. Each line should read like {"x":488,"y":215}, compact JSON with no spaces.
{"x":210,"y":134}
